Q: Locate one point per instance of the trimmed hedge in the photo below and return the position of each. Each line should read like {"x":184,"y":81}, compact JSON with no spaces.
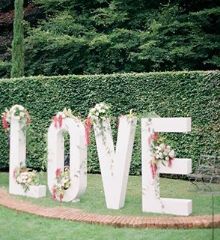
{"x":169,"y":94}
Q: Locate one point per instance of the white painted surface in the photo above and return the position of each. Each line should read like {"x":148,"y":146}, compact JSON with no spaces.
{"x":18,"y":158}
{"x":151,"y":201}
{"x":176,"y":124}
{"x":78,"y":157}
{"x":115,"y":164}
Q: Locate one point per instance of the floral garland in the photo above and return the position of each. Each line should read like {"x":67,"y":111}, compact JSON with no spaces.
{"x":161,"y":152}
{"x":26,"y":177}
{"x":60,"y":116}
{"x":63,"y":183}
{"x":100,"y":112}
{"x":16,"y":111}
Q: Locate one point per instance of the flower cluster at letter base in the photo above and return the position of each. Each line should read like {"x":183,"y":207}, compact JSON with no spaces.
{"x":18,"y":112}
{"x":63,"y":183}
{"x":26,"y":177}
{"x":160,"y":152}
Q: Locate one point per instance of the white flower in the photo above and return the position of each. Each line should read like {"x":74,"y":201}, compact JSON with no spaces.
{"x":162,"y":146}
{"x":22,"y":114}
{"x":172,"y":154}
{"x":166,"y":152}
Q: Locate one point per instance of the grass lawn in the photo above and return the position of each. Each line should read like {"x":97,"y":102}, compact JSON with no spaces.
{"x":19,"y":226}
{"x":93,"y":200}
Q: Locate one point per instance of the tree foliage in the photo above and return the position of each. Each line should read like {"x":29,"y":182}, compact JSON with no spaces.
{"x":101,"y":36}
{"x":18,"y":41}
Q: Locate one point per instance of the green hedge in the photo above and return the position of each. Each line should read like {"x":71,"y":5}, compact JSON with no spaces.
{"x":169,"y":94}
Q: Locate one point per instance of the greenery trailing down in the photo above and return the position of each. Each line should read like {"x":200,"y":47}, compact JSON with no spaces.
{"x":169,"y":94}
{"x":17,"y":69}
{"x":92,"y":37}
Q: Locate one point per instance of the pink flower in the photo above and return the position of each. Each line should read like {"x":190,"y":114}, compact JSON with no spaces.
{"x":61,"y":197}
{"x":153,"y":169}
{"x":155,"y":136}
{"x":55,"y":120}
{"x":170,"y":161}
{"x":58,"y":172}
{"x":88,"y":125}
{"x":60,"y":120}
{"x":28,"y":117}
{"x":5,"y":124}
{"x":54,"y":192}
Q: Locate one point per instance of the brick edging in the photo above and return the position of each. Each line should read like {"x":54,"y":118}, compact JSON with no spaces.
{"x":79,"y":215}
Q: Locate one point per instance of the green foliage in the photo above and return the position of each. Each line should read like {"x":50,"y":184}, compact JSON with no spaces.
{"x":17,"y":69}
{"x":169,"y":94}
{"x":5,"y":68}
{"x":87,"y":37}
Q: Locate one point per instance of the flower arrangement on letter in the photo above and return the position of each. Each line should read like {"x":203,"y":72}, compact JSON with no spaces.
{"x":101,"y":111}
{"x":160,"y":152}
{"x":26,"y":177}
{"x":97,"y":115}
{"x":60,"y":116}
{"x":18,"y":112}
{"x":63,"y":183}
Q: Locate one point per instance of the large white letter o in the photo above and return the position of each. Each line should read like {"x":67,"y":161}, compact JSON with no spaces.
{"x":78,"y":157}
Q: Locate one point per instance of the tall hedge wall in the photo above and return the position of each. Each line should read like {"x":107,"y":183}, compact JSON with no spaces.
{"x":169,"y":94}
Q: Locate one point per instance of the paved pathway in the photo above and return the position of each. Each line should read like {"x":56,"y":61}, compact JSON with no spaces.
{"x":72,"y":214}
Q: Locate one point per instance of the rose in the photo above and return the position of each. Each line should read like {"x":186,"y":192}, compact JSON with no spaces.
{"x":171,"y":154}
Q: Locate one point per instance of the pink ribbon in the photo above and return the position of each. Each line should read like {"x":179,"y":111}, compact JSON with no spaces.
{"x":153,"y":169}
{"x":58,"y":121}
{"x":88,"y":125}
{"x":170,"y":162}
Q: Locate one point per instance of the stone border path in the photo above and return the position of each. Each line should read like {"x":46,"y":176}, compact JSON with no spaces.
{"x":79,"y":215}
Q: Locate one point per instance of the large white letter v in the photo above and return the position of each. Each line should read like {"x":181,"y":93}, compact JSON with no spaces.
{"x":115,"y":164}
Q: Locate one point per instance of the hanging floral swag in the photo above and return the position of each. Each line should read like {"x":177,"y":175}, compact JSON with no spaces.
{"x":26,"y":177}
{"x":100,"y":113}
{"x":19,"y":113}
{"x":161,"y":152}
{"x":97,"y":114}
{"x":63,"y":182}
{"x":60,"y":116}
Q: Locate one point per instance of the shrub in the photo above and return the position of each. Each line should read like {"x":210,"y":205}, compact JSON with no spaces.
{"x":169,"y":94}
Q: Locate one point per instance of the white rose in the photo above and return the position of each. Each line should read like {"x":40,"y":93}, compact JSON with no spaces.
{"x":172,"y":154}
{"x":22,"y":114}
{"x":29,"y":180}
{"x":165,"y":153}
{"x":162,"y":146}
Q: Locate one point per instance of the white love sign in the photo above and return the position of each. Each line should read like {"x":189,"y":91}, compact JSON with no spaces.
{"x":69,"y":183}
